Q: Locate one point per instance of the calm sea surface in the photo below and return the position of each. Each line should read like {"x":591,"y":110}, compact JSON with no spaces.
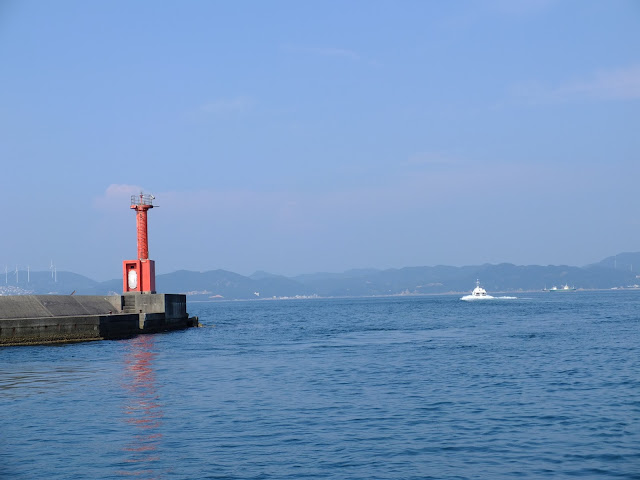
{"x":543,"y":386}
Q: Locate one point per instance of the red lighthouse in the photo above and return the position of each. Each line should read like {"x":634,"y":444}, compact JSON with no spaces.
{"x":140,"y":275}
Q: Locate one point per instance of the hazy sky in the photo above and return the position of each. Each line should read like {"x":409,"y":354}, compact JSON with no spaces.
{"x":304,"y":136}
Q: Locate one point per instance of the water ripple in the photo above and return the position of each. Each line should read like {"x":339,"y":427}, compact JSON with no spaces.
{"x":422,"y":387}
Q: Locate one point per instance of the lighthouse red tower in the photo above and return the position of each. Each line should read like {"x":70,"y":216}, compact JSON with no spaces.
{"x":140,"y":275}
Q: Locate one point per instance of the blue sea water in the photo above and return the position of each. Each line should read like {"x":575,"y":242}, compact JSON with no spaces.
{"x":543,"y":386}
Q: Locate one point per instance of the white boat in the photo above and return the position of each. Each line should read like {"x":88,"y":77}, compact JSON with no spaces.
{"x":478,"y":293}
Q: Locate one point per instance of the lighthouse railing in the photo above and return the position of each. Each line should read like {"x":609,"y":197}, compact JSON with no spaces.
{"x":142,"y":199}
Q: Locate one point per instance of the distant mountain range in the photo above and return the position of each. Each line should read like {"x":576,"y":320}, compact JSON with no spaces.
{"x":613,"y":272}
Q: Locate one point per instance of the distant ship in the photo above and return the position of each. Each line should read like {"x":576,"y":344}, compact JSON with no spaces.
{"x":564,"y":288}
{"x":478,"y":293}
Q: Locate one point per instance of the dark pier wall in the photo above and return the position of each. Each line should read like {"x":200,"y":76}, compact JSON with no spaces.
{"x":158,"y":311}
{"x":41,"y":319}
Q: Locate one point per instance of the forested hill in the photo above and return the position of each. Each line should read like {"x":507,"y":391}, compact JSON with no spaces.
{"x":613,"y":272}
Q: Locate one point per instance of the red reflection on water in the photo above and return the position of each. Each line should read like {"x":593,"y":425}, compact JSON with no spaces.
{"x":142,"y":408}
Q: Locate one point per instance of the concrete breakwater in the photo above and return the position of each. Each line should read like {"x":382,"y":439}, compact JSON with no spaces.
{"x":45,"y":319}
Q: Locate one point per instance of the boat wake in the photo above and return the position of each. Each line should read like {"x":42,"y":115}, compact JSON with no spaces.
{"x":475,"y":298}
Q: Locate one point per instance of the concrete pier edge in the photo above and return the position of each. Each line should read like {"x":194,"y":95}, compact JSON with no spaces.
{"x":55,"y":319}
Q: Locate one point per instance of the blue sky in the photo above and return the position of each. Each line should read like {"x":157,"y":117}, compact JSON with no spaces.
{"x":296,"y":137}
